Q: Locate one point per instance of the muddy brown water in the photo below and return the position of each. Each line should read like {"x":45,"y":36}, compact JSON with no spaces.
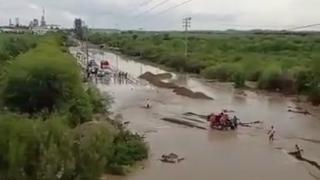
{"x":236,"y":155}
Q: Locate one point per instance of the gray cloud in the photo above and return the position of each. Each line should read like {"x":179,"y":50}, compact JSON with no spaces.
{"x":207,"y":14}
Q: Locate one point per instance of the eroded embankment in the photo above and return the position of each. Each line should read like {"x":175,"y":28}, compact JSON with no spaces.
{"x":156,"y":81}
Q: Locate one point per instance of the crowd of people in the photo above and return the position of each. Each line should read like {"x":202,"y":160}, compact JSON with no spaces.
{"x":120,"y":77}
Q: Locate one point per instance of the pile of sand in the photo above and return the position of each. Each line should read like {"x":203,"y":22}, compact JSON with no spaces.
{"x":187,"y":92}
{"x":164,"y":75}
{"x":156,"y":81}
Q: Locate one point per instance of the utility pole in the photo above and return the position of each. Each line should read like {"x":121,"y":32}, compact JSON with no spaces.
{"x":86,"y":39}
{"x":186,"y":24}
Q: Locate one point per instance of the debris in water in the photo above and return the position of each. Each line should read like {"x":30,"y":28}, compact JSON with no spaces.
{"x":305,"y":112}
{"x":240,"y":92}
{"x":314,"y":176}
{"x":228,"y":111}
{"x":182,"y":122}
{"x":171,"y":158}
{"x":126,"y":123}
{"x":250,"y":123}
{"x":194,"y":114}
{"x":297,"y":154}
{"x":150,"y":131}
{"x":194,"y":120}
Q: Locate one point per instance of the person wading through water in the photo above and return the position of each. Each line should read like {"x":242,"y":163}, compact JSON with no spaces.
{"x":148,"y":105}
{"x":271,"y":133}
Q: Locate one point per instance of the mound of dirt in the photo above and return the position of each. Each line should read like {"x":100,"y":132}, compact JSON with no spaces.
{"x":188,"y":93}
{"x":183,"y":122}
{"x":164,"y":75}
{"x":156,"y":81}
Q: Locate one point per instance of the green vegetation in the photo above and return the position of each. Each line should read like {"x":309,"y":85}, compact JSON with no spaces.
{"x":47,"y":125}
{"x":277,"y":61}
{"x":12,"y":45}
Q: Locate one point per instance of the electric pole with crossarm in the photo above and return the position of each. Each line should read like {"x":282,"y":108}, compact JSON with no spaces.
{"x":186,"y":24}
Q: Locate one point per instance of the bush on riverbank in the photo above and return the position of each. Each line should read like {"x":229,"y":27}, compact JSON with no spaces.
{"x":11,"y":45}
{"x":44,"y":79}
{"x":128,"y":148}
{"x":314,"y":95}
{"x":47,"y":130}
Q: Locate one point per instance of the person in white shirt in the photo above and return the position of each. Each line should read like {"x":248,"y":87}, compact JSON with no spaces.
{"x":148,"y":105}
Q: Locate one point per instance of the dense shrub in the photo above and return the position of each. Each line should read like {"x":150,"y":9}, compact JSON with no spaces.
{"x":314,"y":95}
{"x":11,"y":45}
{"x":176,"y":61}
{"x":302,"y":78}
{"x":239,"y":79}
{"x":92,"y":149}
{"x":32,"y":149}
{"x":44,"y":79}
{"x":269,"y":77}
{"x":194,"y":66}
{"x":35,"y":149}
{"x":100,"y":103}
{"x":128,"y":148}
{"x":222,"y":72}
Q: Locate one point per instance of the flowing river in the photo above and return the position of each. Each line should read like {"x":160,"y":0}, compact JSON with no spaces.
{"x":244,"y":154}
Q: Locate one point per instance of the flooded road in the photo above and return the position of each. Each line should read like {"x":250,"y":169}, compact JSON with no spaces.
{"x":234,"y":155}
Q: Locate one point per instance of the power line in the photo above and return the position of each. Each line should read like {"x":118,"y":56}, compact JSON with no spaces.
{"x":152,"y":8}
{"x":174,"y":7}
{"x":145,"y":3}
{"x":303,"y":27}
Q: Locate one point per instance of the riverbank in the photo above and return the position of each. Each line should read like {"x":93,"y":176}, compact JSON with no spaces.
{"x":274,"y":62}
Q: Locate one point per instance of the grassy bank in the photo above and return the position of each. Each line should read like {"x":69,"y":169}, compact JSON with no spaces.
{"x":11,"y":45}
{"x":278,"y":62}
{"x":48,"y":123}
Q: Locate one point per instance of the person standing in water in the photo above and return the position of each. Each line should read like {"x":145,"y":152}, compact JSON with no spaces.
{"x":148,"y":103}
{"x":271,"y":133}
{"x":234,"y":121}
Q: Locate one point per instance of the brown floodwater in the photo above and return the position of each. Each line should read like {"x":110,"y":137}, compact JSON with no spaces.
{"x":245,"y":154}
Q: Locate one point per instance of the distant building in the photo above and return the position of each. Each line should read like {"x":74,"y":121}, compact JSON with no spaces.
{"x":78,"y":28}
{"x":10,"y":23}
{"x":17,"y":22}
{"x":35,"y":23}
{"x":43,"y":20}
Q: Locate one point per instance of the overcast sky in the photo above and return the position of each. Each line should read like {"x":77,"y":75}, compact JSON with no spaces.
{"x":151,"y":14}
